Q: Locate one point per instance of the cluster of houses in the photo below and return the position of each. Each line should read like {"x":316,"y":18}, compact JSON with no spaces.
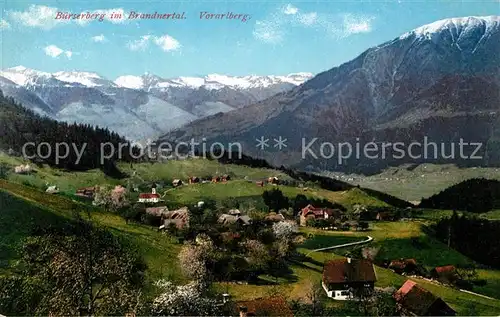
{"x":445,"y":274}
{"x":344,"y":278}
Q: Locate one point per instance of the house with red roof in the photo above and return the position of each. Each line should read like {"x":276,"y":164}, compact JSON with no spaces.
{"x":344,"y":278}
{"x":311,"y":212}
{"x":414,"y":300}
{"x":447,"y":273}
{"x":152,"y":197}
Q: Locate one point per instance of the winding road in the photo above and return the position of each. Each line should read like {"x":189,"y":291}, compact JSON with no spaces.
{"x":369,"y":239}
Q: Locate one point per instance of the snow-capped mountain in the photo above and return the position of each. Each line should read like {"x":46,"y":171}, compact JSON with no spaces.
{"x":440,"y":81}
{"x":212,"y":81}
{"x":29,"y":77}
{"x":137,"y":107}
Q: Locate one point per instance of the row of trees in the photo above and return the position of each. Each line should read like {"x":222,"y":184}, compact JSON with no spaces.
{"x":276,"y":201}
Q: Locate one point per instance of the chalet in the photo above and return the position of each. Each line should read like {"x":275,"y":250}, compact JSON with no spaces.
{"x":447,"y":274}
{"x":176,"y":182}
{"x":179,"y":217}
{"x":268,"y":306}
{"x":152,"y":197}
{"x":344,"y":278}
{"x":23,"y":169}
{"x":403,"y":266}
{"x":413,"y":300}
{"x":86,"y":192}
{"x":157,"y":211}
{"x":193,"y":180}
{"x":311,"y":212}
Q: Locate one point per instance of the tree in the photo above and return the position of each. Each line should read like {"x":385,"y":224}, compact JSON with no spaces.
{"x":197,"y":260}
{"x":114,"y":199}
{"x":183,"y":300}
{"x":284,"y":229}
{"x":275,"y":199}
{"x":84,"y":271}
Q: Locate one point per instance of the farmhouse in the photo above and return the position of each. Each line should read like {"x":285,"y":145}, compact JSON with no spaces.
{"x":86,"y":192}
{"x":179,"y":217}
{"x":152,"y":197}
{"x":311,"y":212}
{"x":445,"y":274}
{"x":344,"y":278}
{"x":413,"y":300}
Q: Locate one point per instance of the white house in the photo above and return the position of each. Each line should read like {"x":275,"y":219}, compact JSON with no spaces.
{"x":342,"y":278}
{"x":152,"y":197}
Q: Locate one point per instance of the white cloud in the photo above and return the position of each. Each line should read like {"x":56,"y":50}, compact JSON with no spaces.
{"x":44,"y":17}
{"x":268,"y":31}
{"x":99,"y":38}
{"x":140,"y":44}
{"x":54,"y":52}
{"x":37,"y":16}
{"x":282,"y":22}
{"x":290,"y":10}
{"x":357,"y":24}
{"x":166,"y":42}
{"x":308,"y":18}
{"x":4,"y":25}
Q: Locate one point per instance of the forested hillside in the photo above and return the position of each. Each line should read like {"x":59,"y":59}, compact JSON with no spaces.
{"x":19,"y":125}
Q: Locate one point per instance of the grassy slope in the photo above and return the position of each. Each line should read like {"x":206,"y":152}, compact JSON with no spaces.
{"x":160,"y":253}
{"x":242,"y":185}
{"x":158,"y":250}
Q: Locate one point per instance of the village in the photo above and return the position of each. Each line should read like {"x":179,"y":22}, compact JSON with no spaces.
{"x":343,"y":279}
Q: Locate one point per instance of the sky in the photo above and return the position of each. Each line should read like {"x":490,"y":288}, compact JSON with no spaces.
{"x":278,"y":37}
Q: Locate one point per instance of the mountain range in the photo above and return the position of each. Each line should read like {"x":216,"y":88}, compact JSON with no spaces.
{"x":137,"y":107}
{"x":440,"y":81}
